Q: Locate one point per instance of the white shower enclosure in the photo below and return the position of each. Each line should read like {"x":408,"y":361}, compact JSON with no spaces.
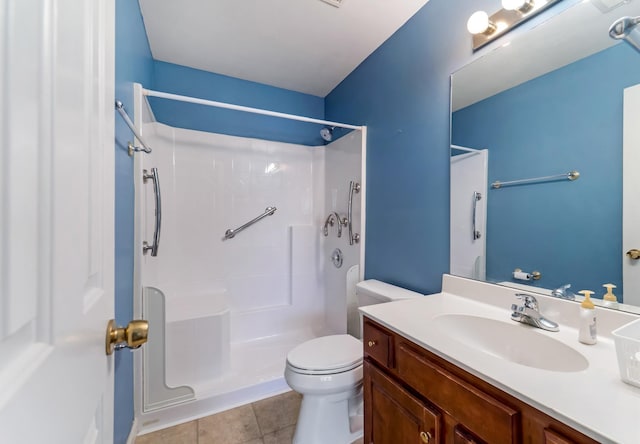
{"x":223,"y":313}
{"x":469,"y":177}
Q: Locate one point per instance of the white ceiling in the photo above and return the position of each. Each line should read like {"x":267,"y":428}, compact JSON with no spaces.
{"x":301,"y":45}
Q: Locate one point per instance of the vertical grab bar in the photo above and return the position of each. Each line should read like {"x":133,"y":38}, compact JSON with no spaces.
{"x":156,"y":190}
{"x":476,"y":197}
{"x":353,"y":187}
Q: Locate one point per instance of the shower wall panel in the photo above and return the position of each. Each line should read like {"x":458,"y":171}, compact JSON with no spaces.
{"x":343,"y":159}
{"x":211,"y":183}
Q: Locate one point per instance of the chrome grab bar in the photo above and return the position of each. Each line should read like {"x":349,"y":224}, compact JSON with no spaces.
{"x":331,"y":220}
{"x":353,"y":187}
{"x":145,"y":148}
{"x":229,"y":234}
{"x":156,"y":190}
{"x":476,"y":197}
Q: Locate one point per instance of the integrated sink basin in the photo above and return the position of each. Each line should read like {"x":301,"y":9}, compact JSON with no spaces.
{"x":517,"y":343}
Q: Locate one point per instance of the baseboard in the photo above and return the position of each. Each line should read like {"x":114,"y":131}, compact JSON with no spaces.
{"x":134,"y":432}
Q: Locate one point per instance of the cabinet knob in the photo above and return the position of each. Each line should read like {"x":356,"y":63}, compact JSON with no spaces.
{"x":372,"y":343}
{"x":425,"y":437}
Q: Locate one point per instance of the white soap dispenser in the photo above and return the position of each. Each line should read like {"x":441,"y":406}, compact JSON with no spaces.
{"x":587,"y":333}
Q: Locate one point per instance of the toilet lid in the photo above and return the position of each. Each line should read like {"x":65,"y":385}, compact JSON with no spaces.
{"x":334,"y":352}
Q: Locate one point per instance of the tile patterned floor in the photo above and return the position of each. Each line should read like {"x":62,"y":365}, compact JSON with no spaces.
{"x":270,"y":421}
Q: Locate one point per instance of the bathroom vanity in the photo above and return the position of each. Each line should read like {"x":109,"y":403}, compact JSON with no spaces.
{"x":453,"y":368}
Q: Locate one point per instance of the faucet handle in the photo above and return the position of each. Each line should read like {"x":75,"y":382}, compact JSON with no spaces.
{"x":562,"y":293}
{"x":528,"y":300}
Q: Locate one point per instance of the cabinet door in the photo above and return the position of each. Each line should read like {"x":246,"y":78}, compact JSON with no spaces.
{"x":393,"y":415}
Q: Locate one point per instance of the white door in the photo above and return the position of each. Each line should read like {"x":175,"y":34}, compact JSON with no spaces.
{"x":56,"y":220}
{"x":631,"y":194}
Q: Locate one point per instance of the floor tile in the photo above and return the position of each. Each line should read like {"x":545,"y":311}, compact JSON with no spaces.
{"x":181,"y":434}
{"x":278,"y":412}
{"x":236,"y":426}
{"x":282,"y":436}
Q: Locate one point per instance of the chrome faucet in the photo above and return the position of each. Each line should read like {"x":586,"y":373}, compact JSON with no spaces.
{"x":562,"y":293}
{"x":529,"y":313}
{"x":331,"y":220}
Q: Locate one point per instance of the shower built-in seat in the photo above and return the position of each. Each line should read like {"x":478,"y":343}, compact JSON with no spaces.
{"x":192,"y":360}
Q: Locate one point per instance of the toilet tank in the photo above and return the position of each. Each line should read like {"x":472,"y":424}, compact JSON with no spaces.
{"x":372,"y":291}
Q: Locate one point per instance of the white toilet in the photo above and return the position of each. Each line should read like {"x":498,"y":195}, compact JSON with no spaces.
{"x":327,"y":372}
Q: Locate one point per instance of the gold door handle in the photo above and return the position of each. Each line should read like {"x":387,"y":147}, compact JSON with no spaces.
{"x":634,"y":254}
{"x":425,"y":437}
{"x":132,"y":336}
{"x":372,"y":343}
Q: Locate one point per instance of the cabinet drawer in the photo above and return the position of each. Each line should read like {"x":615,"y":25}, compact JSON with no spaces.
{"x":377,"y":345}
{"x":486,"y":417}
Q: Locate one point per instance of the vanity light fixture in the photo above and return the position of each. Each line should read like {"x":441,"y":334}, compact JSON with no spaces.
{"x":486,"y":28}
{"x":479,"y":23}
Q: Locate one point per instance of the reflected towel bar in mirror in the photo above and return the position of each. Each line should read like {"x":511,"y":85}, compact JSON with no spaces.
{"x":571,"y":175}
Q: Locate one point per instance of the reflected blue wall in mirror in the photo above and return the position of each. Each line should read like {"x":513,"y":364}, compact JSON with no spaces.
{"x":572,"y":116}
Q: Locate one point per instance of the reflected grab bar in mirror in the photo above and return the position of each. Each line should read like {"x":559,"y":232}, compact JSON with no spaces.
{"x":230,"y":233}
{"x":571,"y":175}
{"x":475,"y":233}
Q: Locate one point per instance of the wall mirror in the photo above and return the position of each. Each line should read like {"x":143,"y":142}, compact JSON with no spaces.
{"x":547,"y":103}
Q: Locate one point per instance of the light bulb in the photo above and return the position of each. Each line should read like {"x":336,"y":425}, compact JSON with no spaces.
{"x":479,"y":23}
{"x":518,"y":5}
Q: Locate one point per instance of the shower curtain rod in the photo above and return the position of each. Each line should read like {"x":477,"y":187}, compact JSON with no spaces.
{"x":163,"y":95}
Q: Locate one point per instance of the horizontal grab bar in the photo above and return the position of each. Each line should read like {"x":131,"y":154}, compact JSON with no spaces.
{"x":229,"y":234}
{"x":571,"y":175}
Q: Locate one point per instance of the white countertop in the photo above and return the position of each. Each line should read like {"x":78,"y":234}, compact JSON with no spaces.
{"x":594,"y":401}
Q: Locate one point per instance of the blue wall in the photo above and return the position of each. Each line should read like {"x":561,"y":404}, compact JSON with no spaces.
{"x":178,"y":79}
{"x":401,"y":92}
{"x":133,"y":64}
{"x":568,"y":119}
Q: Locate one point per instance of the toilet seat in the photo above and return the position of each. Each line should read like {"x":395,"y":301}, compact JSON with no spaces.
{"x":326,"y":355}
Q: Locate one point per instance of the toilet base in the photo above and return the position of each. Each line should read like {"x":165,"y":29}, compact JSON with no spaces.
{"x":334,"y":419}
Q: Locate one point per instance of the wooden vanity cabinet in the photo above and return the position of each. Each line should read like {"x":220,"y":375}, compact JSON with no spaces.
{"x":393,"y":415}
{"x":413,"y":396}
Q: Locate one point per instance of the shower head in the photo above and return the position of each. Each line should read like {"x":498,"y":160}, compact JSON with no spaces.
{"x":626,"y":29}
{"x":327,"y":133}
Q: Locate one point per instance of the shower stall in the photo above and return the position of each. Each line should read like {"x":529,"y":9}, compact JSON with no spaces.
{"x":236,"y":261}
